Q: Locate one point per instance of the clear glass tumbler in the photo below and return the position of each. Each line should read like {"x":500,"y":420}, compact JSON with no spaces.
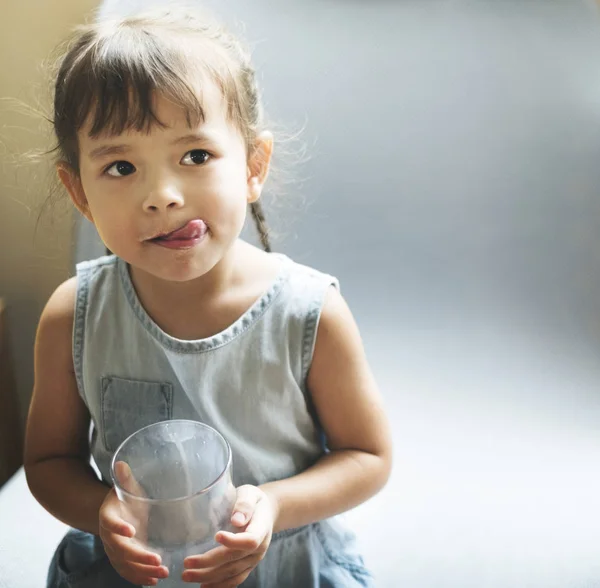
{"x":173,"y":479}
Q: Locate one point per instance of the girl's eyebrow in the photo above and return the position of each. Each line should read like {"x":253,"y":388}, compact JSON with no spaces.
{"x":197,"y":137}
{"x":104,"y":150}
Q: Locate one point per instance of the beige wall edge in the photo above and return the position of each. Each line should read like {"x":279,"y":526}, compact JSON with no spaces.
{"x":32,"y":263}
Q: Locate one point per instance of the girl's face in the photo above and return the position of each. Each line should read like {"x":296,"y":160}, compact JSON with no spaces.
{"x":172,"y":201}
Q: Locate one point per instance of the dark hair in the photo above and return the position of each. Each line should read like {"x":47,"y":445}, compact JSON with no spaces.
{"x":112,"y":68}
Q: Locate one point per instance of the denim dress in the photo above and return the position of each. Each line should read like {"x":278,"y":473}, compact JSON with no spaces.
{"x":248,"y":382}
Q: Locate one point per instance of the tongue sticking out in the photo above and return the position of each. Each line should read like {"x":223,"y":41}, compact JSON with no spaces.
{"x":193,"y":230}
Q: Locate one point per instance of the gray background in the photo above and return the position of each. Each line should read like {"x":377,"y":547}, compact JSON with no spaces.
{"x":451,"y":183}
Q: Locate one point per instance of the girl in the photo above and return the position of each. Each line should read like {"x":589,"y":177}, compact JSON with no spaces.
{"x":160,"y":145}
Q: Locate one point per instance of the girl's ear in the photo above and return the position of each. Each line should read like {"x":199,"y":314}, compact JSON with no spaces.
{"x":72,"y":182}
{"x":258,"y":165}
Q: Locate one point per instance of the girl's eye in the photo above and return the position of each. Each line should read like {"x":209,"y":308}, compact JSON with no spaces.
{"x":195,"y":157}
{"x":120,"y":169}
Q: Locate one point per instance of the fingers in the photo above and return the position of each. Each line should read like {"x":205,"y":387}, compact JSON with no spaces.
{"x":230,"y":564}
{"x":247,"y":499}
{"x":223,"y":565}
{"x":261,"y":523}
{"x":110,"y":518}
{"x":128,"y":517}
{"x":260,"y":526}
{"x":232,"y":574}
{"x":213,"y":558}
{"x":141,"y":575}
{"x":133,"y":563}
{"x":116,"y":525}
{"x":243,"y":542}
{"x":127,"y":550}
{"x":116,"y":535}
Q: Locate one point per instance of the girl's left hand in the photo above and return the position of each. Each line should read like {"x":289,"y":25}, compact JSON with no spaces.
{"x":230,"y":564}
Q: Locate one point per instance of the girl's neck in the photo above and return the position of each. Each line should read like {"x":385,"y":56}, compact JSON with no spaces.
{"x":203,"y":307}
{"x":154,"y":291}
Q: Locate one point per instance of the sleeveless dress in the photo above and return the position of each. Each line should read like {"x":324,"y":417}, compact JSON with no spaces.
{"x":248,"y":382}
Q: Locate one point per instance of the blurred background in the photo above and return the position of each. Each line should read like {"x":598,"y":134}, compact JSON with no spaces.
{"x":450,"y":180}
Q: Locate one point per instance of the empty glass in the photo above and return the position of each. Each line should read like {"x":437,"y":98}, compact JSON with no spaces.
{"x":173,"y":479}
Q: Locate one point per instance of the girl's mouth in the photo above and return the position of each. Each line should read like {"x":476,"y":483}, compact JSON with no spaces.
{"x":185,"y":237}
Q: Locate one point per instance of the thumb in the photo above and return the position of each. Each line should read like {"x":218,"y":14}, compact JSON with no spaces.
{"x":247,"y":498}
{"x":126,"y":480}
{"x":111,"y":518}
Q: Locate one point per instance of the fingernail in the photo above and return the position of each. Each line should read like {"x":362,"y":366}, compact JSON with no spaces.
{"x":238,"y":518}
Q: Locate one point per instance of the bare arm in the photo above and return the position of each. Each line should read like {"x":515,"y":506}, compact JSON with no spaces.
{"x":351,"y":412}
{"x":56,"y":444}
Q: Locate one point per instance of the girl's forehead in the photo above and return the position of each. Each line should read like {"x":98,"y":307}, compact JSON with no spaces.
{"x":173,"y":127}
{"x":172,"y":117}
{"x":210,"y":98}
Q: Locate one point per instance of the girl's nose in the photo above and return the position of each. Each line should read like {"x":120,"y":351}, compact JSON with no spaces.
{"x":163,"y":197}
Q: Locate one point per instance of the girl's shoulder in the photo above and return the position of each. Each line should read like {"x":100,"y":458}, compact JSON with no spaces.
{"x":91,"y":274}
{"x":296,"y":286}
{"x":90,"y":265}
{"x":305,"y":275}
{"x":60,"y":307}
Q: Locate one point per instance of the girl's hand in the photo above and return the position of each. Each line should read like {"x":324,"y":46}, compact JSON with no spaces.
{"x":134,"y":563}
{"x":228,"y":566}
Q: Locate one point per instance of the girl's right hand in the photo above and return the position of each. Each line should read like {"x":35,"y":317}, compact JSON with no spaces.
{"x":132,"y":562}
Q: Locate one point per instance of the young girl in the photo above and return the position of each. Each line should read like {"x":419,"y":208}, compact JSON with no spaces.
{"x":161,"y":146}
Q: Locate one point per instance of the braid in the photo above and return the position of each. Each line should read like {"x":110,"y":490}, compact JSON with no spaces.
{"x":261,"y":225}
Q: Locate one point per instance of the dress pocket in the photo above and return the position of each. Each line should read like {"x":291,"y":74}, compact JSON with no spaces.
{"x":129,"y":405}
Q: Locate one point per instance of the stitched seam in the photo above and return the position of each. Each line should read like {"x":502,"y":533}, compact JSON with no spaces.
{"x":167,"y":390}
{"x":290,"y":532}
{"x":312,"y":320}
{"x":79,"y":325}
{"x":251,"y":317}
{"x":104,"y":387}
{"x":309,"y":334}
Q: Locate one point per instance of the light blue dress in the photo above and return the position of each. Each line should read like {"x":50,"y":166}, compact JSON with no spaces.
{"x":248,"y":382}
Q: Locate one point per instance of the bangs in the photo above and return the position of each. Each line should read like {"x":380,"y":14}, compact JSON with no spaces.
{"x":112,"y":86}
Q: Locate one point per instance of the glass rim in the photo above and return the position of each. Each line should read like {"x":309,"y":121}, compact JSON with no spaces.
{"x":180,"y":498}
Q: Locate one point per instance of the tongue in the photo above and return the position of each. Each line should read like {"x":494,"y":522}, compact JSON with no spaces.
{"x":192,"y":230}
